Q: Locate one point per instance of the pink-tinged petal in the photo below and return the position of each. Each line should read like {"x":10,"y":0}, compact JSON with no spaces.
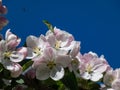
{"x":16,"y":56}
{"x":42,"y":72}
{"x":100,"y":68}
{"x":16,"y":71}
{"x":23,"y":50}
{"x":109,"y":77}
{"x":49,"y":53}
{"x":62,"y":52}
{"x":12,"y":39}
{"x":57,"y":73}
{"x":8,"y":64}
{"x":118,"y":73}
{"x":13,"y":43}
{"x":32,"y":41}
{"x":116,"y":84}
{"x":63,"y":60}
{"x":96,"y":76}
{"x":51,"y":39}
{"x":38,"y":61}
{"x":7,"y":33}
{"x":62,"y":35}
{"x":2,"y":45}
{"x":76,"y":48}
{"x":30,"y":53}
{"x":43,"y":38}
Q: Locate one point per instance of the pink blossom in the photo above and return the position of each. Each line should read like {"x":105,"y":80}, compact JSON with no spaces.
{"x":92,"y":67}
{"x":10,"y":55}
{"x":51,"y":65}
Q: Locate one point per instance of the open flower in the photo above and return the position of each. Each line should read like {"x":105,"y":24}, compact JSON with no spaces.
{"x":9,"y":55}
{"x":112,"y":79}
{"x":92,"y":67}
{"x":35,"y":46}
{"x":60,"y":40}
{"x":50,"y":65}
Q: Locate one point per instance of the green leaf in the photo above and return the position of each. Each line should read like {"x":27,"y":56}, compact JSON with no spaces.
{"x":20,"y":81}
{"x":50,"y":27}
{"x":27,"y":65}
{"x":70,"y":80}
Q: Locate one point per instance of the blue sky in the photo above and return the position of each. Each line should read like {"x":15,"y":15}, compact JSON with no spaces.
{"x":96,"y":23}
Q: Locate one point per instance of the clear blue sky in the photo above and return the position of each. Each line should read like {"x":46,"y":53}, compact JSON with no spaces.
{"x":96,"y":23}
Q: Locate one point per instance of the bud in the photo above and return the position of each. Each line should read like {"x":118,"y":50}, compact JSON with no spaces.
{"x":3,"y":22}
{"x":3,"y":9}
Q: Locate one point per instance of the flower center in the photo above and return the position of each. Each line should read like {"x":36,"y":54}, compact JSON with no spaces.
{"x":37,"y":50}
{"x":75,"y":62}
{"x":89,"y":68}
{"x":57,"y":44}
{"x":51,"y":64}
{"x":6,"y":54}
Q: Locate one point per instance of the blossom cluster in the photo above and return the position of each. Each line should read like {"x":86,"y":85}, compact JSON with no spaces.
{"x":54,"y":53}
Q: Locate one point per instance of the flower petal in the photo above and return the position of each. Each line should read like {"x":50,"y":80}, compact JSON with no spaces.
{"x":116,"y":85}
{"x":86,"y":75}
{"x":50,"y":53}
{"x":16,"y":56}
{"x":96,"y":76}
{"x":16,"y":71}
{"x":42,"y":72}
{"x":32,"y":41}
{"x":57,"y":73}
{"x":63,"y":60}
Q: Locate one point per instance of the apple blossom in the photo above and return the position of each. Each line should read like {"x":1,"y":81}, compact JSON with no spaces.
{"x":35,"y":46}
{"x":60,"y":40}
{"x":51,"y":64}
{"x":92,"y":67}
{"x":112,"y":79}
{"x":9,"y":55}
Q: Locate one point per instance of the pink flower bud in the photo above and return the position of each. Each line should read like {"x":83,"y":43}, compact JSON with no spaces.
{"x":3,"y":9}
{"x":3,"y":22}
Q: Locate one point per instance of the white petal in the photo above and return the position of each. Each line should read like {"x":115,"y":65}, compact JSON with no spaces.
{"x":7,"y":33}
{"x":8,"y":65}
{"x":2,"y":45}
{"x":23,"y":50}
{"x":76,"y":49}
{"x":49,"y":53}
{"x":57,"y":73}
{"x":51,"y":39}
{"x":30,"y":53}
{"x":86,"y":75}
{"x":116,"y":84}
{"x":42,"y":72}
{"x":96,"y":76}
{"x":32,"y":41}
{"x":63,"y":60}
{"x":16,"y":56}
{"x":100,"y":68}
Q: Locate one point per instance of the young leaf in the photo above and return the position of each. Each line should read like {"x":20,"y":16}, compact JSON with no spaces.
{"x":27,"y":65}
{"x":20,"y":81}
{"x":50,"y":27}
